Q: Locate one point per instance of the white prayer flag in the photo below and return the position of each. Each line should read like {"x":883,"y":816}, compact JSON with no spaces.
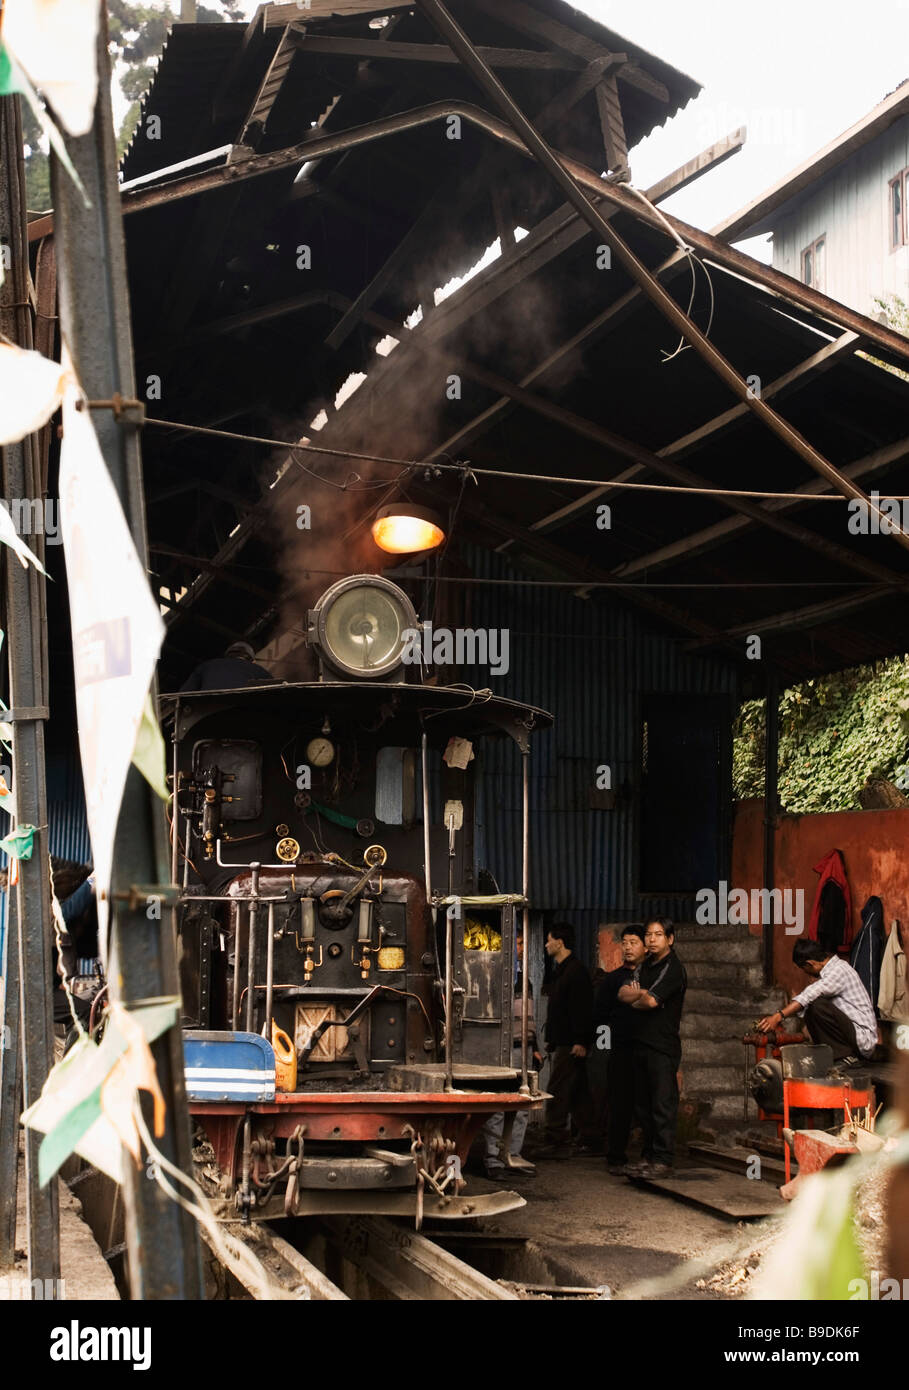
{"x":117,"y":633}
{"x":54,"y":42}
{"x":31,"y":389}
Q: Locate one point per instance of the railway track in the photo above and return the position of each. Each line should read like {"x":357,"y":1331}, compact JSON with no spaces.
{"x":348,"y":1258}
{"x":370,"y":1258}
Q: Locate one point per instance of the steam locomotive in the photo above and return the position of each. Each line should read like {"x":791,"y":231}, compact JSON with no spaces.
{"x":348,"y":993}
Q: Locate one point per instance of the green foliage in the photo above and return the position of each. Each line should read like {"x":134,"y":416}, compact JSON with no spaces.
{"x":833,"y":733}
{"x":895,"y":313}
{"x":127,"y":128}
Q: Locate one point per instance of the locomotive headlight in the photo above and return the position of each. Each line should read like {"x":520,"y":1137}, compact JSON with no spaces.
{"x":358,"y":626}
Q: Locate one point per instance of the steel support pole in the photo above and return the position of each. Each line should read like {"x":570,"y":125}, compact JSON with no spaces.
{"x":162,"y":1240}
{"x":460,"y":44}
{"x":525,"y":889}
{"x":771,"y":806}
{"x":25,"y":621}
{"x":10,"y":1089}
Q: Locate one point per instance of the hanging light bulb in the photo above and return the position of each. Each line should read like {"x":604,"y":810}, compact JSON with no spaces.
{"x":404,"y":529}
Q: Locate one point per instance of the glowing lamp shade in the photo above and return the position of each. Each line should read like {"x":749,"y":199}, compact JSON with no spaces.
{"x":404,"y":529}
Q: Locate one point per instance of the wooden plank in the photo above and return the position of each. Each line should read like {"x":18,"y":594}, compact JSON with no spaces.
{"x":726,"y":1193}
{"x":714,"y":154}
{"x":737,"y":1159}
{"x":611,"y":123}
{"x":537,"y":59}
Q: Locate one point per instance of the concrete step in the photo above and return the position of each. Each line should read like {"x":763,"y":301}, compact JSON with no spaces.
{"x":710,"y":1001}
{"x":712,"y":1081}
{"x":727,"y":979}
{"x":713,"y":1052}
{"x":721,"y":1025}
{"x":745,"y":950}
{"x":689,"y":932}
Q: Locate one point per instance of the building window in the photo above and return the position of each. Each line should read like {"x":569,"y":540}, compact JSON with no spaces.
{"x":899,"y":232}
{"x":814,"y":271}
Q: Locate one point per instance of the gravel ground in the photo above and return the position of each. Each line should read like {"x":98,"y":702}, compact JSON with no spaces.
{"x":84,"y":1271}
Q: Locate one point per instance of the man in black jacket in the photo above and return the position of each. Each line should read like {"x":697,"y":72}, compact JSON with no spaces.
{"x":615,"y":1028}
{"x":569,"y":1026}
{"x":657,"y":1000}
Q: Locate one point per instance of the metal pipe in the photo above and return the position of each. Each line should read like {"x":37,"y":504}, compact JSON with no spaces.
{"x":10,"y":1088}
{"x":566,"y":178}
{"x":427,"y":866}
{"x":235,"y":993}
{"x":174,"y":865}
{"x":771,"y":806}
{"x":188,"y":830}
{"x":525,"y":889}
{"x":449,"y":991}
{"x":251,"y":951}
{"x":270,"y":970}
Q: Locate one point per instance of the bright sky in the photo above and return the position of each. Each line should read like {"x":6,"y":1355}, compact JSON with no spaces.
{"x":797,"y":73}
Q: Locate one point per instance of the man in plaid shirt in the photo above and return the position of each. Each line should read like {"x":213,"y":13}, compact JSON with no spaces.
{"x":837,"y":1008}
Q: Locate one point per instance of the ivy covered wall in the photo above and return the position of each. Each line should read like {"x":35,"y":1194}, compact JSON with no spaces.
{"x":835,"y":733}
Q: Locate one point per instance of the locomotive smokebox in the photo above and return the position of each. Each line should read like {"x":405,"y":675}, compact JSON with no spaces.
{"x":363,"y":628}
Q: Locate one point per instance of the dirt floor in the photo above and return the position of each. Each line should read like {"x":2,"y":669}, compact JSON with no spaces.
{"x":83,"y":1269}
{"x":595,"y":1229}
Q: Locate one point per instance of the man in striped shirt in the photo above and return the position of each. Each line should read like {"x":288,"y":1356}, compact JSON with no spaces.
{"x":837,"y":1008}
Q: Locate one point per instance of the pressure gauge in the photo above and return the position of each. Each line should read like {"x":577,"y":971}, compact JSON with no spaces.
{"x":320,"y":751}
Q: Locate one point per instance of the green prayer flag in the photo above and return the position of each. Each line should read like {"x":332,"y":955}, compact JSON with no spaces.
{"x":148,"y":755}
{"x":70,"y":1103}
{"x":8,"y":83}
{"x":20,"y":842}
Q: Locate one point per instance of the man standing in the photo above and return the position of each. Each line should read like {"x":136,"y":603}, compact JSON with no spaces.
{"x":493,"y":1129}
{"x":657,"y":1000}
{"x":837,"y":1008}
{"x":569,"y":1025}
{"x":614,"y":1023}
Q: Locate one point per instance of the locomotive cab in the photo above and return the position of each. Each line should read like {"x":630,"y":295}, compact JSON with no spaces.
{"x":348,"y":993}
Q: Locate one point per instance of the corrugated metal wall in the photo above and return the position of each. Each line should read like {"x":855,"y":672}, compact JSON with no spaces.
{"x":590,"y":662}
{"x":67,"y":825}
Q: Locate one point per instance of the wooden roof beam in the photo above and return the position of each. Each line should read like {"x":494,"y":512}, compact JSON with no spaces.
{"x":811,"y":616}
{"x":589,"y":429}
{"x":490,"y":163}
{"x":818,"y":361}
{"x":375,"y":49}
{"x":689,"y":546}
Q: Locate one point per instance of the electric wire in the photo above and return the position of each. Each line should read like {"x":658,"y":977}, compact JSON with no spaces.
{"x":409,"y":465}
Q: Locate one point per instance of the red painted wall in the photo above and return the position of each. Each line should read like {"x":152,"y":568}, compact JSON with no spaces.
{"x":875,"y":849}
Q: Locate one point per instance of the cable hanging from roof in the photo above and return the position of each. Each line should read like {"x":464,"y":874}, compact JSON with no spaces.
{"x":409,"y":465}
